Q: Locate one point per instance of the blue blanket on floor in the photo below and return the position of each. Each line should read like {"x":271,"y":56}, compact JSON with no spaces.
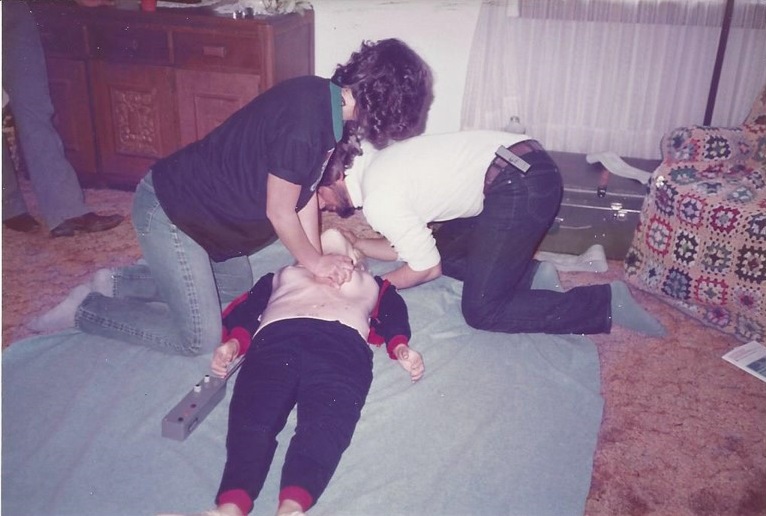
{"x":500,"y":424}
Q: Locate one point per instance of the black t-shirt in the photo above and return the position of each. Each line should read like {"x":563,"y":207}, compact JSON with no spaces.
{"x":215,"y":189}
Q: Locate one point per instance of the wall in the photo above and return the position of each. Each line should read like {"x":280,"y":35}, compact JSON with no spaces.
{"x":441,"y":31}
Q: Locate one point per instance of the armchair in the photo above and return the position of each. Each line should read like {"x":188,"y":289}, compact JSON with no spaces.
{"x":700,"y":244}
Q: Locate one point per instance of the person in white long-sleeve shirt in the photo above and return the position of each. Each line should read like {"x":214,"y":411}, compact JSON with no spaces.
{"x":494,"y":213}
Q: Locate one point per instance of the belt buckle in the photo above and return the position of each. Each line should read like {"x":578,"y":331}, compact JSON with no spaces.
{"x":513,"y":159}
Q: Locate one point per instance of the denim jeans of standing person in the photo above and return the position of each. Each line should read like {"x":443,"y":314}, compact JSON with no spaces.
{"x":25,"y":79}
{"x":173,"y":302}
{"x":493,"y":254}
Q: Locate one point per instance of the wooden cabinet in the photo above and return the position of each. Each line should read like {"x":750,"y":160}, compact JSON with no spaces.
{"x":130,"y":87}
{"x":135,"y":120}
{"x":205,"y":99}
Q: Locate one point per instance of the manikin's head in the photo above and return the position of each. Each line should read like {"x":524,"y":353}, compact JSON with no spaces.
{"x":333,"y":242}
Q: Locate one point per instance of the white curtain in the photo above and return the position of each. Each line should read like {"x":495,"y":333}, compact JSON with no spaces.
{"x":596,"y":75}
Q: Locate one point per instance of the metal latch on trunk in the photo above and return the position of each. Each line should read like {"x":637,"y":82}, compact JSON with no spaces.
{"x":618,"y":213}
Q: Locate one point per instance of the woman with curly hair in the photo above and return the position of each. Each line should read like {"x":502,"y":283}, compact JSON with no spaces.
{"x":392,"y":90}
{"x":201,"y":211}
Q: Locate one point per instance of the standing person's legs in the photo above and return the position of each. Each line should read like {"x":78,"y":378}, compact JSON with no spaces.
{"x":518,"y":210}
{"x":335,"y":378}
{"x":188,"y":320}
{"x":25,"y":79}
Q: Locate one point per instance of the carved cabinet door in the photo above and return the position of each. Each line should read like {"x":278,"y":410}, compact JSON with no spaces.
{"x":205,"y":99}
{"x":135,"y":118}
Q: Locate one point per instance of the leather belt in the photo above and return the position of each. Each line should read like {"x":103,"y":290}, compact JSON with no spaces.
{"x":498,"y":164}
{"x":525,"y":147}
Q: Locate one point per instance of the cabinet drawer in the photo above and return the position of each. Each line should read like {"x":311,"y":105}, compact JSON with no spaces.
{"x":125,"y":43}
{"x":215,"y":51}
{"x":62,"y":37}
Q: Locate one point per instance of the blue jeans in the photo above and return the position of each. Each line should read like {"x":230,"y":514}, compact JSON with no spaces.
{"x":25,"y":79}
{"x":173,"y":302}
{"x":493,"y":252}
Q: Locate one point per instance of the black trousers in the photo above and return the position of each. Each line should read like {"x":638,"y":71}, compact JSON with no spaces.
{"x":493,"y":254}
{"x":323,"y":367}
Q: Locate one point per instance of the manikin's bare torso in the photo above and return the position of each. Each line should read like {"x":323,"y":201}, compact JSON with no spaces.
{"x":296,"y":293}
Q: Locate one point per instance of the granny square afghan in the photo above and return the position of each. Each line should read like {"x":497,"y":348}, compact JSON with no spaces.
{"x":700,"y":244}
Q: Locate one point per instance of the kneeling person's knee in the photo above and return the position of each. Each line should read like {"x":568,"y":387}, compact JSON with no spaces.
{"x":476,"y":315}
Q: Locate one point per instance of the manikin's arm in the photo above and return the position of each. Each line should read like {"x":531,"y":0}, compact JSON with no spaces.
{"x":390,"y":324}
{"x":240,"y":321}
{"x":281,"y":199}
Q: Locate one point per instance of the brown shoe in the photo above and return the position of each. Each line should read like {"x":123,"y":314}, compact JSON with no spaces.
{"x":24,"y":223}
{"x":88,"y":223}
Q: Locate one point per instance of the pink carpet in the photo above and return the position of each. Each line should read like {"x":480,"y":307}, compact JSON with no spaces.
{"x":683,"y":430}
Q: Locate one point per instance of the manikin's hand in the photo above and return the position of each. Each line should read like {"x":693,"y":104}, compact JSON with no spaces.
{"x":337,"y":268}
{"x":411,"y":361}
{"x":223,"y":356}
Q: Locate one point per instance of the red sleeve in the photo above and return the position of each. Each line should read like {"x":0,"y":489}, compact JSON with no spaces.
{"x":242,"y":317}
{"x":389,"y":320}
